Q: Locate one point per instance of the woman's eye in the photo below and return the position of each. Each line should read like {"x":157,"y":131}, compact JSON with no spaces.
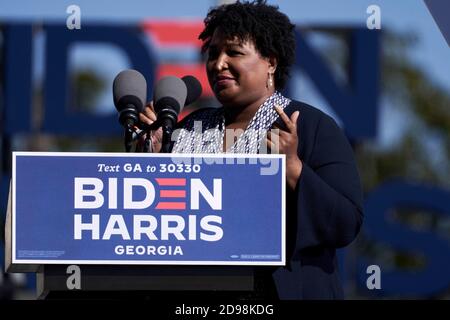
{"x":234,"y":52}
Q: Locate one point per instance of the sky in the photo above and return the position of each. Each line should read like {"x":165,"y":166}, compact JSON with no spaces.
{"x":431,"y":53}
{"x":401,"y":15}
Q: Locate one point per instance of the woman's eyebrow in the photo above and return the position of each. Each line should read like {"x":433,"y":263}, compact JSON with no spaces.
{"x":234,"y":42}
{"x":227,"y":45}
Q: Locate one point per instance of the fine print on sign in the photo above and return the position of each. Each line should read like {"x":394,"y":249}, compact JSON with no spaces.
{"x":113,"y":208}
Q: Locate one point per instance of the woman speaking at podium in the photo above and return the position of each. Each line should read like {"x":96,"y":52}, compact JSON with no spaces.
{"x":250,"y":47}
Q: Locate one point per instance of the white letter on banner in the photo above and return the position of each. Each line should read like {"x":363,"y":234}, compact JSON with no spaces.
{"x":139,"y":229}
{"x":128,"y":184}
{"x":214,"y":201}
{"x":176,"y":231}
{"x":79,"y":226}
{"x":119,"y":250}
{"x":112,"y":193}
{"x":218,"y":232}
{"x":80,"y":193}
{"x":120,"y":230}
{"x":192,"y":227}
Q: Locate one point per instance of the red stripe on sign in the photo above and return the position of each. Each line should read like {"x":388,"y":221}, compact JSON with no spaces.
{"x":174,"y":32}
{"x":171,"y":205}
{"x":197,"y":70}
{"x":171,"y":181}
{"x":172,"y":193}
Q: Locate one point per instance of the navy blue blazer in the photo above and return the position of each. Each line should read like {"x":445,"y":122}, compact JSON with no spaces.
{"x":324,"y":212}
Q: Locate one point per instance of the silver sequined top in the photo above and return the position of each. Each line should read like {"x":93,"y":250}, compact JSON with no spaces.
{"x":204,"y":130}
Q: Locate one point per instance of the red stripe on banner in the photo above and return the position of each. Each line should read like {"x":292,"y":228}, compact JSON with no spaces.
{"x":171,"y":205}
{"x":197,"y":70}
{"x":174,"y":32}
{"x":171,"y":181}
{"x":172,"y":193}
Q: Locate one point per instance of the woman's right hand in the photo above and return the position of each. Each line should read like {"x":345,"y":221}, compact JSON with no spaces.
{"x":148,"y":116}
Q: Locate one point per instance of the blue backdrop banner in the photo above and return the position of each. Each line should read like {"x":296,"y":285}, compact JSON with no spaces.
{"x":122,"y":208}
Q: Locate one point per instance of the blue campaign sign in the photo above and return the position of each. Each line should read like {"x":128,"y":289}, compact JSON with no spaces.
{"x":122,"y":208}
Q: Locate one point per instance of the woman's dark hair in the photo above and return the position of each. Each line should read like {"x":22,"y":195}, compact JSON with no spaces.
{"x":268,"y":28}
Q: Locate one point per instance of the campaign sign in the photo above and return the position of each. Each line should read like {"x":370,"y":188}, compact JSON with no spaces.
{"x":122,"y":208}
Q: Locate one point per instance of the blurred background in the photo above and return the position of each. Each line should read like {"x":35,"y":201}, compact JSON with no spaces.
{"x":380,"y":68}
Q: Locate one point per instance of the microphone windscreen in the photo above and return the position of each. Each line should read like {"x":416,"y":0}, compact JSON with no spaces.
{"x":194,"y":88}
{"x":170,"y":92}
{"x":130,"y":87}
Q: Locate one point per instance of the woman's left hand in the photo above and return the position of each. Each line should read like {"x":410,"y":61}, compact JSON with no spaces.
{"x":286,"y":142}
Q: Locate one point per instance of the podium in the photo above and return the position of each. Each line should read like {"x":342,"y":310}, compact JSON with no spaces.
{"x":125,"y":282}
{"x":99,"y":282}
{"x":128,"y":278}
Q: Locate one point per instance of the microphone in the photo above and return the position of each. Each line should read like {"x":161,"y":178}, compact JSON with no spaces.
{"x":169,"y":98}
{"x":171,"y":94}
{"x":194,"y":89}
{"x":130,"y":94}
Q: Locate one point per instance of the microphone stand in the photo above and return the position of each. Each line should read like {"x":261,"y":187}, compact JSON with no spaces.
{"x":145,"y":129}
{"x":128,"y":137}
{"x":166,"y":138}
{"x":128,"y":117}
{"x":137,"y":132}
{"x":166,"y":120}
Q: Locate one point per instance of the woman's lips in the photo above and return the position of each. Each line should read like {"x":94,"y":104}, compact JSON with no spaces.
{"x":224,"y":82}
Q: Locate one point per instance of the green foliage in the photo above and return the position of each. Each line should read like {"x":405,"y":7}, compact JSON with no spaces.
{"x":87,"y":86}
{"x":411,"y":91}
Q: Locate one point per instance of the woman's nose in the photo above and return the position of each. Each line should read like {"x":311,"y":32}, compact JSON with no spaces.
{"x":221,"y":62}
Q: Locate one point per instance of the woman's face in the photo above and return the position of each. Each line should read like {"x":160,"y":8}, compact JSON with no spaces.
{"x":236,"y":71}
